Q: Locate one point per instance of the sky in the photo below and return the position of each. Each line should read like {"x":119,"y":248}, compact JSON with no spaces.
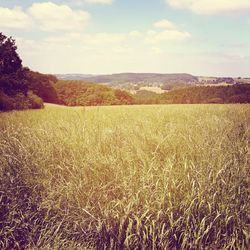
{"x":200,"y":37}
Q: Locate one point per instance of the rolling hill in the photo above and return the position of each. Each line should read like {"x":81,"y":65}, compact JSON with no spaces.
{"x":132,"y":78}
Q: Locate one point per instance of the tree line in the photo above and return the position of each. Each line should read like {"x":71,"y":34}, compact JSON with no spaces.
{"x":22,"y":88}
{"x":238,"y":93}
{"x":80,"y":93}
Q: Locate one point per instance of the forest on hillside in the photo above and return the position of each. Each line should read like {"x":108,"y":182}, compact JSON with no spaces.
{"x":79,"y":93}
{"x":238,"y":93}
{"x":22,"y":88}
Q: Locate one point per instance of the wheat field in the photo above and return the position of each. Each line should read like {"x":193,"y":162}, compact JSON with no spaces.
{"x":125,"y":177}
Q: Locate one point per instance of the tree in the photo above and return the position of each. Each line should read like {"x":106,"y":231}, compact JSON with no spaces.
{"x":12,"y":79}
{"x":14,"y":87}
{"x":10,"y":61}
{"x":123,"y":97}
{"x":42,"y":85}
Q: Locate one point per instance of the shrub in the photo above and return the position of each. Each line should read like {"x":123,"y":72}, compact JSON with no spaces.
{"x":35,"y":101}
{"x":20,"y":101}
{"x":6,"y":102}
{"x":42,"y":85}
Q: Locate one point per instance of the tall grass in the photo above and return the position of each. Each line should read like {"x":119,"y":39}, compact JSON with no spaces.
{"x":128,"y":177}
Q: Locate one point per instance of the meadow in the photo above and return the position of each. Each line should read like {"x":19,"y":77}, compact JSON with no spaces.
{"x":125,"y":177}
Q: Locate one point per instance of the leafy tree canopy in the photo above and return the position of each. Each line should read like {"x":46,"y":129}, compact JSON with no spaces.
{"x":10,"y":61}
{"x":42,"y":85}
{"x":14,"y":85}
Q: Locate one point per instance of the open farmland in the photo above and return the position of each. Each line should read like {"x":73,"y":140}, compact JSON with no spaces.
{"x":125,"y":177}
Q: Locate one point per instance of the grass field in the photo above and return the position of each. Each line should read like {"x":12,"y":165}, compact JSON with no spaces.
{"x":125,"y":177}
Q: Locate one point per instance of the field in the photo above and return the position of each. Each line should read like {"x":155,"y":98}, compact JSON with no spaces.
{"x":157,"y":90}
{"x":125,"y":177}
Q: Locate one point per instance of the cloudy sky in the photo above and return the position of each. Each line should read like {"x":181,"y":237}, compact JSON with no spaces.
{"x":201,"y":37}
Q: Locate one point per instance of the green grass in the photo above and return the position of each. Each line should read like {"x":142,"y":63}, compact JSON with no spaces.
{"x":125,"y":177}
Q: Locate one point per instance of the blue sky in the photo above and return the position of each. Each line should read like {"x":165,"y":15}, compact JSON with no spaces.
{"x":201,"y":37}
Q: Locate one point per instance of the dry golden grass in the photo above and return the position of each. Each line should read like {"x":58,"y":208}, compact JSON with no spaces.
{"x":127,"y":177}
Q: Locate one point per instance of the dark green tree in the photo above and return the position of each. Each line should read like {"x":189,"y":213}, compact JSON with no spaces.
{"x":14,"y":85}
{"x":12,"y":78}
{"x":42,"y":85}
{"x":10,"y":61}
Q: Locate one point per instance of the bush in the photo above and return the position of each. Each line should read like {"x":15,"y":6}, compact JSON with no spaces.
{"x":42,"y":85}
{"x":20,"y":101}
{"x":35,"y":101}
{"x":6,"y":102}
{"x":123,"y":97}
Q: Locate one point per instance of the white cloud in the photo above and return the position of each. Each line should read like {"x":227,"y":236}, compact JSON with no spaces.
{"x":45,"y":16}
{"x":99,"y":1}
{"x":167,"y":35}
{"x":105,"y":38}
{"x":53,"y":17}
{"x":170,"y":33}
{"x":135,"y":34}
{"x":210,"y":7}
{"x":71,"y":53}
{"x":14,"y":18}
{"x":91,"y":52}
{"x":89,"y":41}
{"x":85,"y":52}
{"x":165,"y":24}
{"x":157,"y":50}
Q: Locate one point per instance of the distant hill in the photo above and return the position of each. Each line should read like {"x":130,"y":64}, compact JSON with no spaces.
{"x":82,"y":93}
{"x":237,"y":93}
{"x":73,"y":76}
{"x":132,"y":78}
